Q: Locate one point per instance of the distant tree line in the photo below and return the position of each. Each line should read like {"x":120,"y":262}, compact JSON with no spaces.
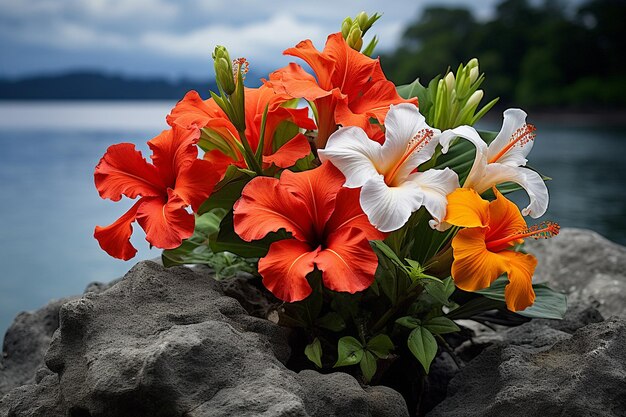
{"x":538,"y":56}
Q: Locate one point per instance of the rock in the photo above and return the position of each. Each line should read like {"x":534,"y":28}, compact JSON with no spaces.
{"x":580,"y":375}
{"x":169,"y":343}
{"x":588,"y":267}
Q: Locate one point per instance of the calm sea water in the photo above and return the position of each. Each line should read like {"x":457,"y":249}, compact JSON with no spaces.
{"x":50,"y":205}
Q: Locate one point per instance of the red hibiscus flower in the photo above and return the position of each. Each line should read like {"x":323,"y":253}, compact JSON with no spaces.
{"x":350,"y":87}
{"x":192,"y":111}
{"x":175,"y":179}
{"x":329,"y":231}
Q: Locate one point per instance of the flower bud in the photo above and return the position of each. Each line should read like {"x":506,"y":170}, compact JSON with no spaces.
{"x":355,"y":37}
{"x":450,"y":81}
{"x":474,"y":99}
{"x":345,"y":27}
{"x":473,"y":63}
{"x":473,"y":75}
{"x":223,"y":70}
{"x":363,"y":21}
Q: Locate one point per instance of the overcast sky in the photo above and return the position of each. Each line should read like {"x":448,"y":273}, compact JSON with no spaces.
{"x":176,"y":38}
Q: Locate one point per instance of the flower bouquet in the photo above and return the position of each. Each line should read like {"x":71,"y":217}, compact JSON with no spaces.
{"x":375,"y":215}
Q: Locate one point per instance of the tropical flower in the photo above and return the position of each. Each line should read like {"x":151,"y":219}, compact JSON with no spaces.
{"x":505,"y":159}
{"x":329,"y":231}
{"x":392,"y":189}
{"x":175,"y":179}
{"x":484,"y":249}
{"x":192,"y":111}
{"x":350,"y":87}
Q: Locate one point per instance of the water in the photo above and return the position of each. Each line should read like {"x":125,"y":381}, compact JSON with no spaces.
{"x":50,"y":205}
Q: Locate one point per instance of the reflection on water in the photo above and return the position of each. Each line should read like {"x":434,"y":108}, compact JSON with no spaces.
{"x":50,"y":205}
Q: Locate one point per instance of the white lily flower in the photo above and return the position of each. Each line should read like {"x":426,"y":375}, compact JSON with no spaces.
{"x":505,"y":159}
{"x":391,"y":187}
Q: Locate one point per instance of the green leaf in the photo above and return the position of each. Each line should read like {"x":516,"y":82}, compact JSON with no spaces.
{"x":350,"y":352}
{"x":423,"y":346}
{"x":441,"y":325}
{"x":380,"y":345}
{"x":474,"y":307}
{"x":440,"y":291}
{"x":383,"y":249}
{"x":195,"y":250}
{"x":331,"y":321}
{"x":368,"y":366}
{"x":313,"y":351}
{"x":228,"y":190}
{"x":408,"y":322}
{"x":548,"y":304}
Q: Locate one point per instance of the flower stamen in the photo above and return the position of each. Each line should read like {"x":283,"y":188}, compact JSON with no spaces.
{"x":520,"y":137}
{"x":543,"y":230}
{"x":416,"y":144}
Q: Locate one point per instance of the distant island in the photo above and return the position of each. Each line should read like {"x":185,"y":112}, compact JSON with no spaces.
{"x":92,"y":85}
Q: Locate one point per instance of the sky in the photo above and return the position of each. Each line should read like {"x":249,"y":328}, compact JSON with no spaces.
{"x":175,"y":39}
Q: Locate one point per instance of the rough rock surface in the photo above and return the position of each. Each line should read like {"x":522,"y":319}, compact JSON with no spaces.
{"x":580,"y":375}
{"x":169,"y":343}
{"x":588,"y":267}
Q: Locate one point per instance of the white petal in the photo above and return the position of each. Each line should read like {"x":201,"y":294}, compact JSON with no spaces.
{"x":528,"y":179}
{"x":480,"y":160}
{"x":435,"y":185}
{"x":354,"y":154}
{"x":402,"y":123}
{"x":514,"y":119}
{"x":389,"y":208}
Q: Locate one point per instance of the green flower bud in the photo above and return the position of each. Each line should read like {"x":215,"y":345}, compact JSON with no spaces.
{"x":223,"y":70}
{"x":345,"y":27}
{"x":473,"y":63}
{"x":362,"y":19}
{"x":450,"y":81}
{"x":473,"y":75}
{"x":474,"y":99}
{"x":355,"y":37}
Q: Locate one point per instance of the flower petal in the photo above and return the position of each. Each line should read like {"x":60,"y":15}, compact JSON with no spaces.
{"x":173,"y":150}
{"x":166,"y":224}
{"x":266,"y":207}
{"x":519,"y":293}
{"x":123,"y":171}
{"x":389,"y":208}
{"x":474,"y":267}
{"x":321,"y":64}
{"x":195,"y":183}
{"x":528,"y":179}
{"x":348,"y":213}
{"x":115,"y":238}
{"x":356,"y":155}
{"x":296,"y":82}
{"x":515,"y":156}
{"x":480,"y":160}
{"x":435,"y":185}
{"x":347,"y":261}
{"x":504,"y":219}
{"x":192,"y":111}
{"x":288,"y":154}
{"x":285,"y":267}
{"x":317,"y":189}
{"x":403,"y":122}
{"x":467,"y":209}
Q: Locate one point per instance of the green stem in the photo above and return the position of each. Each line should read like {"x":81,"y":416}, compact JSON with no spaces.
{"x":248,"y":154}
{"x":404,"y":303}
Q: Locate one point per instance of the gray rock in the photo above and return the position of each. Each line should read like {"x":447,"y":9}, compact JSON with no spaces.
{"x":580,"y":375}
{"x":169,"y":343}
{"x":588,"y":267}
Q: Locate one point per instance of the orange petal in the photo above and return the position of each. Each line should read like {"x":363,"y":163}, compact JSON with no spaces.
{"x":348,"y":213}
{"x":505,"y":220}
{"x":285,"y":267}
{"x":288,"y":154}
{"x":519,"y":293}
{"x":317,"y":189}
{"x":166,"y":223}
{"x":115,"y":238}
{"x":296,"y":82}
{"x":347,"y":261}
{"x":467,"y":209}
{"x":192,"y":111}
{"x":321,"y":64}
{"x":266,"y":207}
{"x":123,"y":171}
{"x":173,"y":150}
{"x":474,"y":267}
{"x":219,"y":161}
{"x":196,"y":182}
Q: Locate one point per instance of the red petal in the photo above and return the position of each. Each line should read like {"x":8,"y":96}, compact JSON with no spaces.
{"x":123,"y":171}
{"x":196,"y":182}
{"x":266,"y":207}
{"x":166,"y":223}
{"x":296,"y":82}
{"x":348,"y":213}
{"x":192,"y":111}
{"x":173,"y":150}
{"x":285,"y":267}
{"x":219,"y":161}
{"x":317,"y":189}
{"x":115,"y":238}
{"x":348,"y":262}
{"x":288,"y":154}
{"x":321,"y":64}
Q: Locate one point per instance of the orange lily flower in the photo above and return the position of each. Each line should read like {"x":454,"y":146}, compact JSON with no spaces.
{"x":483,"y":249}
{"x":192,"y":111}
{"x":175,"y":179}
{"x":329,"y":230}
{"x":350,"y":88}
